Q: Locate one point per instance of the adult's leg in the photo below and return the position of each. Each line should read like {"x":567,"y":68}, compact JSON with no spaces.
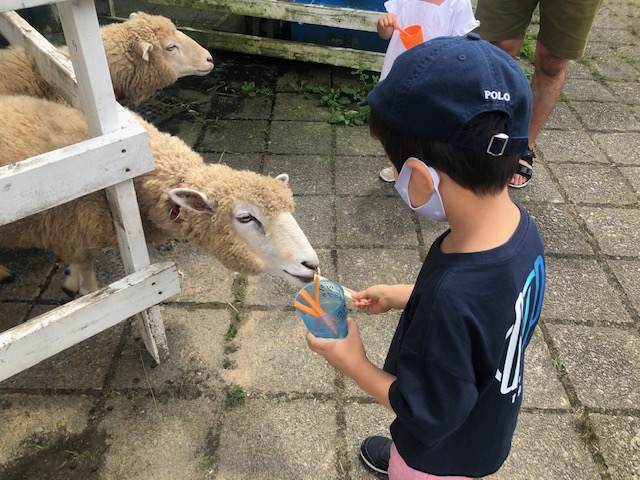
{"x":547,"y":82}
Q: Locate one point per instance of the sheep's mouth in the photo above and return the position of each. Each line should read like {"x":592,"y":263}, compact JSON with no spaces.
{"x":302,"y":278}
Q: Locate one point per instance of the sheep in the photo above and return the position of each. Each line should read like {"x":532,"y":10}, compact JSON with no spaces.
{"x":241,"y":217}
{"x":145,"y":54}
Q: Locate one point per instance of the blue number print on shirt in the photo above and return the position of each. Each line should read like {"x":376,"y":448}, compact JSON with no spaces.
{"x":527,"y":313}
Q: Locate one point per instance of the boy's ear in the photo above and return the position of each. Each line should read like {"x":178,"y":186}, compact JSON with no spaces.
{"x":420,"y":183}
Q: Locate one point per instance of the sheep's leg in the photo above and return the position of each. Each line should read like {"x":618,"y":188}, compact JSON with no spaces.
{"x":6,"y":275}
{"x":80,"y":279}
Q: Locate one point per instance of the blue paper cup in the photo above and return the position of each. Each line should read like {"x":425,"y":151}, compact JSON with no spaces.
{"x":334,"y":323}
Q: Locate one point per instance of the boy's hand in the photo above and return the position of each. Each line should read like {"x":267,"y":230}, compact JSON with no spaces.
{"x":376,"y":299}
{"x":387,"y":24}
{"x":345,"y":354}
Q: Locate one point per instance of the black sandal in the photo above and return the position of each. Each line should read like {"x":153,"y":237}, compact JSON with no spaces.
{"x":525,"y":170}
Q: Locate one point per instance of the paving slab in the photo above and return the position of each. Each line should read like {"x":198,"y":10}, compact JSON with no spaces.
{"x":243,"y":108}
{"x":620,"y":147}
{"x":164,"y":438}
{"x":31,"y":269}
{"x":563,"y":118}
{"x":28,"y":419}
{"x":195,"y":338}
{"x":559,"y":230}
{"x":184,"y":126}
{"x":81,"y":367}
{"x":301,"y":137}
{"x":547,"y":445}
{"x":315,"y":215}
{"x":606,"y":116}
{"x":364,"y":420}
{"x":357,"y":141}
{"x":359,"y":176}
{"x":578,"y":70}
{"x":628,"y":274}
{"x":359,"y":268}
{"x":542,"y":389}
{"x":269,"y":439}
{"x":633,"y":175}
{"x":270,"y":291}
{"x":627,"y":92}
{"x":377,"y":332}
{"x":12,"y":314}
{"x":298,"y":106}
{"x":271,"y":346}
{"x":573,"y":147}
{"x":585,"y":90}
{"x":295,"y":80}
{"x":204,"y":279}
{"x":431,"y":230}
{"x":619,"y":439}
{"x":613,"y":36}
{"x":239,"y":161}
{"x":594,"y":184}
{"x":541,"y":189}
{"x":578,"y":290}
{"x":601,"y":363}
{"x":308,"y":174}
{"x":616,"y":69}
{"x":240,"y":136}
{"x":372,"y":221}
{"x":617,"y":230}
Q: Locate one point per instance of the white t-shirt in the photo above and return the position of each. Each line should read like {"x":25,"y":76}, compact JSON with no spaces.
{"x":450,"y":18}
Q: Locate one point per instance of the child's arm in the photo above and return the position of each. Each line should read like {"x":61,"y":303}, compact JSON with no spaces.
{"x":382,"y":298}
{"x":348,"y":356}
{"x":387,"y":23}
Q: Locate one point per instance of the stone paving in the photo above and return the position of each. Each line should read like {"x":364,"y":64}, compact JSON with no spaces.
{"x":241,"y":396}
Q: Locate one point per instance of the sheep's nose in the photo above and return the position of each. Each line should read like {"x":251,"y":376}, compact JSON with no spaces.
{"x":210,"y":59}
{"x":310,"y":265}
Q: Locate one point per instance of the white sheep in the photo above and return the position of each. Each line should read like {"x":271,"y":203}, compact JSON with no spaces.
{"x":145,"y":54}
{"x":243,"y":218}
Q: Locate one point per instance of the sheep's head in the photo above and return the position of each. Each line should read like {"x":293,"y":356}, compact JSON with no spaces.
{"x":178,"y":51}
{"x":246,"y":221}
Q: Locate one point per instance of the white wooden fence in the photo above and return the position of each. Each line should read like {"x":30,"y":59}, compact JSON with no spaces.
{"x":117,"y":151}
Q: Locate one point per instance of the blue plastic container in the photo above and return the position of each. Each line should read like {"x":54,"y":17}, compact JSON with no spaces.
{"x":334,"y":323}
{"x":341,"y":37}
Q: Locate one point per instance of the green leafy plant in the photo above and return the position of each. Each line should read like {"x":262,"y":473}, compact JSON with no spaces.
{"x":249,"y":89}
{"x":343,"y":101}
{"x":231,"y":333}
{"x":528,"y":50}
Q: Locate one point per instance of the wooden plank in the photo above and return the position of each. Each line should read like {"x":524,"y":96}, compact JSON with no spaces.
{"x":53,"y":65}
{"x":80,"y":21}
{"x":306,"y":52}
{"x":29,"y":343}
{"x":56,"y":177}
{"x":363,"y":20}
{"x":7,"y":5}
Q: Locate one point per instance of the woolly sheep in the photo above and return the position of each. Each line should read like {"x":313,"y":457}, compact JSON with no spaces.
{"x":243,"y":218}
{"x":145,"y":54}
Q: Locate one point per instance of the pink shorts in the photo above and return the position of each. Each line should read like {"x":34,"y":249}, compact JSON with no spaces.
{"x":399,"y":470}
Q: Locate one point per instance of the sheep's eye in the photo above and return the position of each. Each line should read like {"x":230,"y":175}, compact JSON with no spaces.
{"x":172,"y":47}
{"x":246,"y":218}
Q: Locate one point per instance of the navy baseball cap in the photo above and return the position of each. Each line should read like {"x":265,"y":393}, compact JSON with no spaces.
{"x":435,"y":89}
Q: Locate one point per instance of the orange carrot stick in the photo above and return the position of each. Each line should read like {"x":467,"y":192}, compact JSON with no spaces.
{"x":316,"y":288}
{"x":304,"y":309}
{"x":312,"y":303}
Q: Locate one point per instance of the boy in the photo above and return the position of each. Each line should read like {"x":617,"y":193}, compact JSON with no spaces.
{"x":438,"y":18}
{"x":453,"y":117}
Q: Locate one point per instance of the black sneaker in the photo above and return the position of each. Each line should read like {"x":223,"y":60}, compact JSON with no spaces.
{"x":375,"y":453}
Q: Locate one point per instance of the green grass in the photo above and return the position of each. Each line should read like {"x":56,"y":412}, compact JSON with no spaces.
{"x":231,"y":333}
{"x":563,"y":97}
{"x":528,"y":50}
{"x":559,"y":364}
{"x":236,"y":393}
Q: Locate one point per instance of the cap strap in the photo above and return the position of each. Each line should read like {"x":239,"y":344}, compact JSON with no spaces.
{"x":498,"y":144}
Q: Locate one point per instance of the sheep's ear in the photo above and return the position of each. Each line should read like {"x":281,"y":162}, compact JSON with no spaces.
{"x":284,"y":178}
{"x":192,"y":200}
{"x":143,"y":49}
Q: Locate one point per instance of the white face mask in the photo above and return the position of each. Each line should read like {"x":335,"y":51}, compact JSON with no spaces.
{"x":433,"y":208}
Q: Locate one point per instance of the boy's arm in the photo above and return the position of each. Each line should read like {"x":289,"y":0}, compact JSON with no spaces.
{"x":382,"y":298}
{"x":374,"y":381}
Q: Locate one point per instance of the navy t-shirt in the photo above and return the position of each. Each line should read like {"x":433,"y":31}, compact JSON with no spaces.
{"x":458,"y":354}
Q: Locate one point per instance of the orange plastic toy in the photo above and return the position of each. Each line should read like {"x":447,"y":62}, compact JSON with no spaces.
{"x":411,"y":36}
